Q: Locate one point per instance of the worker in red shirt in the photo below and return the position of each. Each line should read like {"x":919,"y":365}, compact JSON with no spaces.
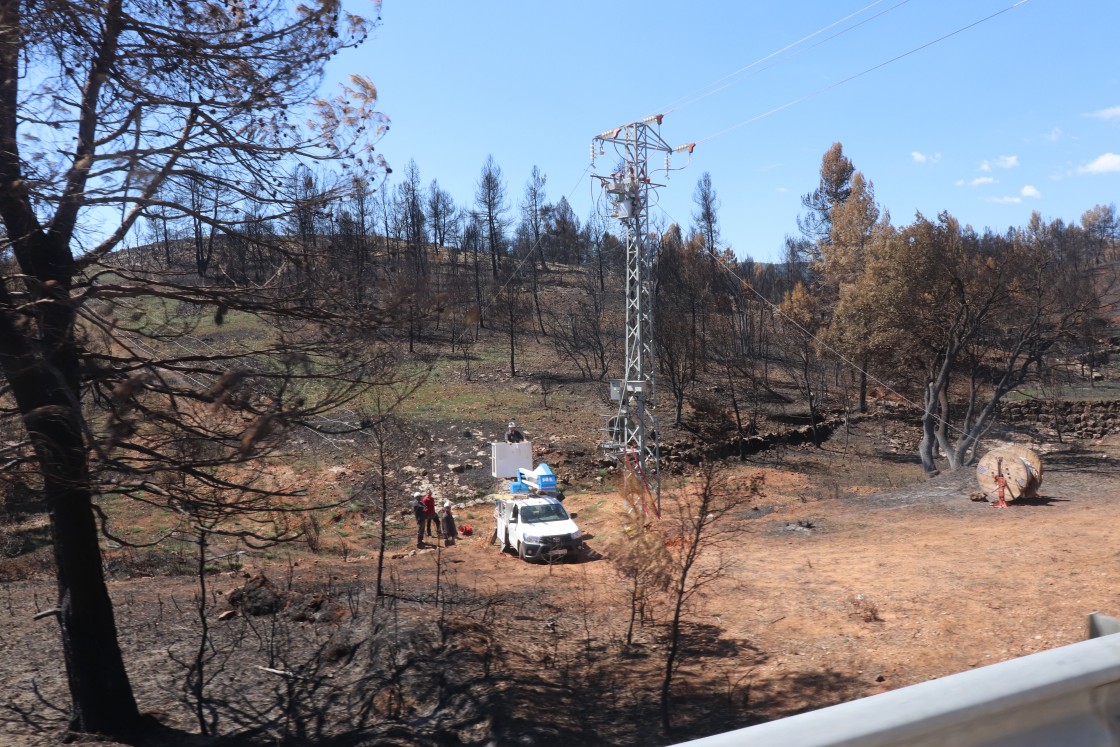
{"x":1001,"y":486}
{"x":430,"y":515}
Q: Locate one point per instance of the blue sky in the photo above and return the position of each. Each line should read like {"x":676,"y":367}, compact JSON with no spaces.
{"x":1018,"y":113}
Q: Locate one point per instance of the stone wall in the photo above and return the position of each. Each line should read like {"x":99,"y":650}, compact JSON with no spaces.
{"x":1092,"y":419}
{"x":693,"y":451}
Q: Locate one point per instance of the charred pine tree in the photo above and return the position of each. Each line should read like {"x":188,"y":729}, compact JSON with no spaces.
{"x":140,"y":95}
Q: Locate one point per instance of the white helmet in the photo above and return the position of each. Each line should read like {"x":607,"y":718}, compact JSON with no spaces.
{"x":417,"y":494}
{"x":512,"y":424}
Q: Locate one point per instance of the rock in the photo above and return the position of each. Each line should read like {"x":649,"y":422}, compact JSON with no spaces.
{"x":315,"y":608}
{"x":258,"y":596}
{"x":457,"y":468}
{"x":342,"y":645}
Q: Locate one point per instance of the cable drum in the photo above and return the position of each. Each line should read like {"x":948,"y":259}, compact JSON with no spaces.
{"x":1020,"y":466}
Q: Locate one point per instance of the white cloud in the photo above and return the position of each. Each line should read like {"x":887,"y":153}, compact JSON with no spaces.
{"x":920,"y":157}
{"x":1112,"y":112}
{"x":1003,"y":162}
{"x":1055,"y":135}
{"x":1109,"y":163}
{"x":782,"y":190}
{"x":1005,"y":200}
{"x":977,"y":182}
{"x":1030,"y":191}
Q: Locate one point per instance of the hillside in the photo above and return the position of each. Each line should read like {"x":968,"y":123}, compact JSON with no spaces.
{"x":849,"y":574}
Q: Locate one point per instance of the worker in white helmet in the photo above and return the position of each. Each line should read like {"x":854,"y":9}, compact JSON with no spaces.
{"x":513,"y":435}
{"x":418,"y":512}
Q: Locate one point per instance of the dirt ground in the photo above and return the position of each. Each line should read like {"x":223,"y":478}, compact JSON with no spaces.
{"x":830,"y":599}
{"x":840,"y":587}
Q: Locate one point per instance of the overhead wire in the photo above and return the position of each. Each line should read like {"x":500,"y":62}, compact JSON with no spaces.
{"x":726,"y":81}
{"x":860,"y":74}
{"x":703,"y":92}
{"x":688,"y":100}
{"x":774,"y":307}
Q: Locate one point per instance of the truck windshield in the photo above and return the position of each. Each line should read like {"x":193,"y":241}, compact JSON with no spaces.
{"x":547,"y":512}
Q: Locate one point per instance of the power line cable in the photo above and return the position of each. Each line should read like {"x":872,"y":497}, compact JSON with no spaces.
{"x":688,"y":100}
{"x":860,"y":74}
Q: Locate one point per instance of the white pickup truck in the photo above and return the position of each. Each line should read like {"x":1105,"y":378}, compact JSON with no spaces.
{"x":537,"y":528}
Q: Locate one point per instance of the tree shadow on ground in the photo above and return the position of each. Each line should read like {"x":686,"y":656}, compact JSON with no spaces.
{"x":21,"y":501}
{"x":1079,"y":462}
{"x":706,"y":640}
{"x":786,"y":696}
{"x":51,"y":722}
{"x":1036,"y":501}
{"x":559,"y":378}
{"x":824,"y":688}
{"x":23,"y":540}
{"x":152,"y":733}
{"x":899,"y":457}
{"x":715,"y":708}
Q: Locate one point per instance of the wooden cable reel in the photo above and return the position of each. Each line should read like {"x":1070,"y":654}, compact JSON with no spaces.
{"x":1020,"y":466}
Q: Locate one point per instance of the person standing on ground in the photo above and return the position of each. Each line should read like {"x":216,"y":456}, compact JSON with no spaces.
{"x":418,"y":512}
{"x":430,"y":515}
{"x":448,"y":521}
{"x":513,"y":435}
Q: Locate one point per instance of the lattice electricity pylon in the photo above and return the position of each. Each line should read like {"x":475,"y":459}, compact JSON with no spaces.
{"x":633,"y":431}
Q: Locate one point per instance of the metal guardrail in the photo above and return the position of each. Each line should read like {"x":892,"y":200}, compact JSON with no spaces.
{"x":1064,"y":697}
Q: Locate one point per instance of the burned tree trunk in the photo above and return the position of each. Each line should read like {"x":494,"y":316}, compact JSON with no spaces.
{"x":43,"y":372}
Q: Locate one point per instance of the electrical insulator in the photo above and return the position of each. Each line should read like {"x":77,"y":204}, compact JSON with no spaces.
{"x":592,"y":152}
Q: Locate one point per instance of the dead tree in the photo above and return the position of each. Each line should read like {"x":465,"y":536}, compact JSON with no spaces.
{"x":123,"y":99}
{"x":695,"y":526}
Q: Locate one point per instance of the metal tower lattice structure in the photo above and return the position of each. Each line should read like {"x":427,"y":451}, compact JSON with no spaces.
{"x":633,"y":432}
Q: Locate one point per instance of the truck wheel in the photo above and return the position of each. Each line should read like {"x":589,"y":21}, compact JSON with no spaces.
{"x":503,"y":544}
